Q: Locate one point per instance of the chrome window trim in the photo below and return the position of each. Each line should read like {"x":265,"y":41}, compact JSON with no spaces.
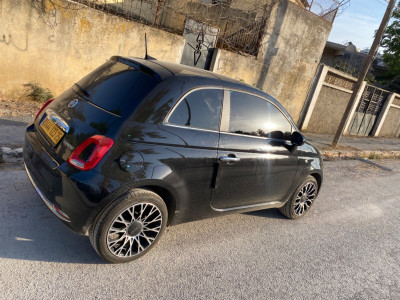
{"x":254,"y":136}
{"x":225,"y":111}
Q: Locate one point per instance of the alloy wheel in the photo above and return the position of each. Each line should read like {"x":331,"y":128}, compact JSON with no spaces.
{"x":305,"y":198}
{"x":134,"y":230}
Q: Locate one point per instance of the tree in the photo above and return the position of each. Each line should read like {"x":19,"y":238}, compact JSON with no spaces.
{"x":391,"y":43}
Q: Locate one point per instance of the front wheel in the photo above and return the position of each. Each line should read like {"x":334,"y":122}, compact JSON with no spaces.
{"x":130,"y":227}
{"x":302,"y":199}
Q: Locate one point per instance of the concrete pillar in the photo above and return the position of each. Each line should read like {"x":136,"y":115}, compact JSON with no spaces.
{"x":215,"y":60}
{"x":382,"y":115}
{"x":314,"y":97}
{"x":360,"y":93}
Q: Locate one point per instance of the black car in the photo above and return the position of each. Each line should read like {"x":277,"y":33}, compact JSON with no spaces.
{"x":138,"y":145}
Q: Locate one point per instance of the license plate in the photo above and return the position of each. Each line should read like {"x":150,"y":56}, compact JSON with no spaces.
{"x":52,"y":131}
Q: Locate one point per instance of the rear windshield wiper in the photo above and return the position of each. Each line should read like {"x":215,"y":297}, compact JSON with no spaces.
{"x":84,"y":92}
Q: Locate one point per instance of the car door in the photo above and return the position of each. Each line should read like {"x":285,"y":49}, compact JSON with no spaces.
{"x":256,"y":162}
{"x":195,"y":121}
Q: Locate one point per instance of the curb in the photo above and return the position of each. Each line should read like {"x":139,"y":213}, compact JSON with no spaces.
{"x":332,"y":154}
{"x":8,"y":155}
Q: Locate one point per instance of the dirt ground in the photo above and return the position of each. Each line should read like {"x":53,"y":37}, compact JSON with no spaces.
{"x":15,"y":108}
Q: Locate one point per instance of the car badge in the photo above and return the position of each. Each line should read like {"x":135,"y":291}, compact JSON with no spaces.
{"x":73,"y":103}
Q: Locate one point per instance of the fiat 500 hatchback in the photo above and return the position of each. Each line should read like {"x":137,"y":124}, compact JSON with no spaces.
{"x":138,"y":145}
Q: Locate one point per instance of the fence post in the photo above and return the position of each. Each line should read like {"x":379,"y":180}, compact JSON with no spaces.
{"x":382,"y":115}
{"x":355,"y":106}
{"x":314,"y":97}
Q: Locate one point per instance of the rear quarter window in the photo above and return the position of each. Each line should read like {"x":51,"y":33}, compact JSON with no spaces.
{"x":115,"y":86}
{"x":200,"y":109}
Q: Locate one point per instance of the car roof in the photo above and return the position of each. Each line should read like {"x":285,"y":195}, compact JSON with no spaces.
{"x":162,"y":70}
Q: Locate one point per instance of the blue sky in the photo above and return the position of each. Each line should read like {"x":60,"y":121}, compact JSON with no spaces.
{"x":358,"y":23}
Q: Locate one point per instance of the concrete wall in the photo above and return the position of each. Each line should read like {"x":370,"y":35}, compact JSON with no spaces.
{"x":328,"y":110}
{"x":391,"y":123}
{"x":327,"y":100}
{"x":286,"y":64}
{"x":82,"y":39}
{"x":245,"y":68}
{"x":391,"y":126}
{"x":329,"y":97}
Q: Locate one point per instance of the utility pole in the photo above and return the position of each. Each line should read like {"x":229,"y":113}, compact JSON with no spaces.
{"x":364,"y":71}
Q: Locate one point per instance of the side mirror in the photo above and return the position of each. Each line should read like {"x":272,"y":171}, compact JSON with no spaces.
{"x":297,"y":139}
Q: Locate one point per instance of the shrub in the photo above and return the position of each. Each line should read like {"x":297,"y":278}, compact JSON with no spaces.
{"x":36,"y":92}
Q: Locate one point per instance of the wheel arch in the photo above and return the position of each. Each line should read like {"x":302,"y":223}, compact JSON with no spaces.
{"x":167,"y":197}
{"x":318,"y":178}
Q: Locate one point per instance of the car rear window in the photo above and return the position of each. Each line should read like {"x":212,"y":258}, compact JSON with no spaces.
{"x":114,"y":86}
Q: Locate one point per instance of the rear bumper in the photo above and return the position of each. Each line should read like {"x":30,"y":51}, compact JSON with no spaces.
{"x":76,"y":197}
{"x":63,"y":216}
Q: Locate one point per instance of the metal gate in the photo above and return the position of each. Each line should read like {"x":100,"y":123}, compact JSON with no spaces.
{"x":200,"y":41}
{"x":368,"y":109}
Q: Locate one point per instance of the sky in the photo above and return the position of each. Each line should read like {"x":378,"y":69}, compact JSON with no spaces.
{"x":358,"y":23}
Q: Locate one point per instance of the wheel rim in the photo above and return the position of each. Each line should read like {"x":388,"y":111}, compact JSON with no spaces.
{"x":305,"y":198}
{"x":134,"y":230}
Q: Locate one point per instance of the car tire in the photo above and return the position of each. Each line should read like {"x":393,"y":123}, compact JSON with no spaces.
{"x":129,"y":227}
{"x":302,"y":199}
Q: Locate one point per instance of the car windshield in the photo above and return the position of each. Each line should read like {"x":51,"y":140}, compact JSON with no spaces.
{"x":115,"y":85}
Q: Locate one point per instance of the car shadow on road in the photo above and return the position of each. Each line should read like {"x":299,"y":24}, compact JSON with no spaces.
{"x":272,"y":213}
{"x":30,"y":231}
{"x":45,"y":239}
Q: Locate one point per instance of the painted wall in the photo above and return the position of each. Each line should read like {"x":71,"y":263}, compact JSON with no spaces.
{"x":79,"y":40}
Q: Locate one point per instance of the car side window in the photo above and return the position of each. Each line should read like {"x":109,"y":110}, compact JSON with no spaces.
{"x":255,"y":116}
{"x":199,"y":109}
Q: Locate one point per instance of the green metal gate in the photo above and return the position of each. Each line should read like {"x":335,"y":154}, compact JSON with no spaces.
{"x":368,"y":109}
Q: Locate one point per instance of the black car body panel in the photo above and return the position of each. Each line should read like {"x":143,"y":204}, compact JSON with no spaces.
{"x":179,"y":163}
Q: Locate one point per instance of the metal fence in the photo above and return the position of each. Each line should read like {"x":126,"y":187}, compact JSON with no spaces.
{"x":240,"y":24}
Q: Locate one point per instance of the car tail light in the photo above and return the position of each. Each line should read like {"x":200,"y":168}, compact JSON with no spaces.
{"x":88,"y":154}
{"x":43,"y":107}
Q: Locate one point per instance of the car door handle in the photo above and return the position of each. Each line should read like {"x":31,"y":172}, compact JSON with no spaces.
{"x":229,"y":159}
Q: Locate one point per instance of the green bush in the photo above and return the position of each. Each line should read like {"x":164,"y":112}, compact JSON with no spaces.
{"x":36,"y":92}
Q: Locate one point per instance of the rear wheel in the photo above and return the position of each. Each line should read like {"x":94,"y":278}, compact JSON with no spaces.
{"x":302,"y":199}
{"x":130,"y":227}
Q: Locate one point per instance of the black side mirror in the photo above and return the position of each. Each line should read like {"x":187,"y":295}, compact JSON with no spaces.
{"x":297,"y":139}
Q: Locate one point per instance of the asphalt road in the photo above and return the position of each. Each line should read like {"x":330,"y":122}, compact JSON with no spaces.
{"x":347,"y":247}
{"x":12,"y":130}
